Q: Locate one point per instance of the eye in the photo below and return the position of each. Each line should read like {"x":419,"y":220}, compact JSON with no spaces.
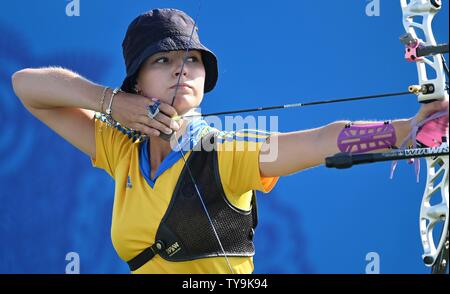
{"x":192,"y":59}
{"x":162,"y":60}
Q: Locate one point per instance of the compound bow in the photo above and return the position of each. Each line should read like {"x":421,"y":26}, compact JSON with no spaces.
{"x":430,"y":89}
{"x":437,"y":160}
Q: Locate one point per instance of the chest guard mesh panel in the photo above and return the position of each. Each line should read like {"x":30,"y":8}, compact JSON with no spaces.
{"x":185,"y":231}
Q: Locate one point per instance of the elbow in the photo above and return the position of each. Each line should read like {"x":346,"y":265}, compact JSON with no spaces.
{"x":17,"y":81}
{"x":22,"y":84}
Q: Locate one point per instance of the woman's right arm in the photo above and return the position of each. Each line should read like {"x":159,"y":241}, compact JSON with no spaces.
{"x":66,"y":103}
{"x":63,"y":100}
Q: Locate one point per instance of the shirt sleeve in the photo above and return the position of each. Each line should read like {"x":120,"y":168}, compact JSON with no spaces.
{"x":111,"y":144}
{"x":238,"y":154}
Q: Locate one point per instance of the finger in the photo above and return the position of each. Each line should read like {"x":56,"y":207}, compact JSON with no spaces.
{"x":168,"y":109}
{"x":166,"y":115}
{"x":149,"y":131}
{"x":167,"y":121}
{"x":155,"y":124}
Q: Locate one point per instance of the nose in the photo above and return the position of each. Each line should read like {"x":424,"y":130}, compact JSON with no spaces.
{"x":181,"y":67}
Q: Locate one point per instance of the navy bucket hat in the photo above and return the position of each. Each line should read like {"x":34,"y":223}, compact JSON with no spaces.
{"x":162,"y":30}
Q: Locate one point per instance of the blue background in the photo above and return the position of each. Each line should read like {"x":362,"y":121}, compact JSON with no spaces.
{"x":270,"y":52}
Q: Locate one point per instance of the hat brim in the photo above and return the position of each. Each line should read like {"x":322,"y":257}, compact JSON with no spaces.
{"x":173,"y":43}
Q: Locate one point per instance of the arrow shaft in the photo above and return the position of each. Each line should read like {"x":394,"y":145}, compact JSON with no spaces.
{"x":295,"y":105}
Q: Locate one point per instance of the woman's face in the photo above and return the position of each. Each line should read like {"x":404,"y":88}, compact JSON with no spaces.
{"x":159,"y":75}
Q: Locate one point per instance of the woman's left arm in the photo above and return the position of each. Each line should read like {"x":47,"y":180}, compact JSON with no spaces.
{"x":296,"y":151}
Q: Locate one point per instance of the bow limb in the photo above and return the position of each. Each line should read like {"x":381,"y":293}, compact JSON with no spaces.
{"x":432,"y":213}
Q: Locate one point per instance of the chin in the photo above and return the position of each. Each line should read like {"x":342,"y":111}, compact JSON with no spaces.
{"x":187,"y":111}
{"x":184,"y":102}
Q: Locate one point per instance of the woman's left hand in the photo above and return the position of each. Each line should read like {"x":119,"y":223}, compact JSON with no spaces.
{"x":428,"y":109}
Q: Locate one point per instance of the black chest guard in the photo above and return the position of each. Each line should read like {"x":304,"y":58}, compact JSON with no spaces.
{"x":185,"y":232}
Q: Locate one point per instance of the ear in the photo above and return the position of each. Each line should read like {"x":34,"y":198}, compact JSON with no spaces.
{"x":136,"y":87}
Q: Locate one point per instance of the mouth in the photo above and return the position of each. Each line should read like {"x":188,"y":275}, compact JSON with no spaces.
{"x":181,"y":86}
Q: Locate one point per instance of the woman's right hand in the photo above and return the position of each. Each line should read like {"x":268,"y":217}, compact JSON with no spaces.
{"x":131,"y":110}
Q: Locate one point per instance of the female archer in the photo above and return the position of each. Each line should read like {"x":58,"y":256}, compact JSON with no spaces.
{"x":180,"y":207}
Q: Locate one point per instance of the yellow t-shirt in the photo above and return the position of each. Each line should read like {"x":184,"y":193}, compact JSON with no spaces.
{"x":140,"y":202}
